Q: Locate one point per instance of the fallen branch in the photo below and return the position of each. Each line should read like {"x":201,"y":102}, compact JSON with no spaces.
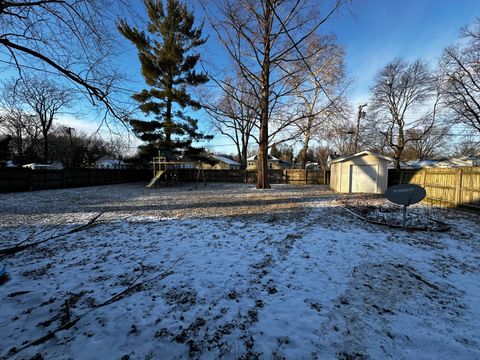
{"x":71,"y":322}
{"x":281,"y":341}
{"x":22,"y":246}
{"x":135,"y":286}
{"x":123,"y":293}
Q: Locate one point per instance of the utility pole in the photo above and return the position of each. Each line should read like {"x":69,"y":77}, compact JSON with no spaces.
{"x":361,"y":115}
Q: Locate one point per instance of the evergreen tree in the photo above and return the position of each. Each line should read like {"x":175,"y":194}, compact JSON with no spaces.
{"x":168,"y":67}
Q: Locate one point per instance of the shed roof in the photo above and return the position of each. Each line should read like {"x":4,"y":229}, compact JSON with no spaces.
{"x":362,"y":153}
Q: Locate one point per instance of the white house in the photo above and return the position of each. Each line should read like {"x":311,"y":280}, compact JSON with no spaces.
{"x":222,"y":163}
{"x":55,"y":165}
{"x":444,"y":162}
{"x":272,"y":163}
{"x":105,"y":163}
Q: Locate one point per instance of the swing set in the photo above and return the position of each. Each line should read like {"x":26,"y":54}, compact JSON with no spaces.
{"x":166,"y":172}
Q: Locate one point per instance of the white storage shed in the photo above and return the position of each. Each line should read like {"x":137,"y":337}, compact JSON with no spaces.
{"x":363,"y":172}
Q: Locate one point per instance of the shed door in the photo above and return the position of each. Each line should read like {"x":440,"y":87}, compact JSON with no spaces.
{"x":363,"y":178}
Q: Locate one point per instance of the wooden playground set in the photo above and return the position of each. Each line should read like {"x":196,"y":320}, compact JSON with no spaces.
{"x":165,"y":172}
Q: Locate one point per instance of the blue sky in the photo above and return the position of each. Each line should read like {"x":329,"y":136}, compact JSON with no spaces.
{"x":373,"y":32}
{"x":380,"y":30}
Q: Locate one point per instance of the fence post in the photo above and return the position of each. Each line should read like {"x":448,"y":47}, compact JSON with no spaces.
{"x":458,"y":187}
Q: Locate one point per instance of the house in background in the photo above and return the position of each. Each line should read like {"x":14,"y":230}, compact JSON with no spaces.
{"x":220,"y":162}
{"x":272,"y":163}
{"x":312,"y":166}
{"x":108,"y":163}
{"x":403,"y":165}
{"x":472,"y":160}
{"x":363,"y":172}
{"x":443,"y":163}
{"x":186,"y":162}
{"x":55,"y":165}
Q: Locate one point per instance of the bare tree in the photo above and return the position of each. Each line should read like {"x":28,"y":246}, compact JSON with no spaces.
{"x":432,"y":143}
{"x":321,"y":89}
{"x":321,"y":154}
{"x":11,"y":126}
{"x":469,"y":145}
{"x":78,"y":149}
{"x":235,"y":114}
{"x":400,"y":91}
{"x":45,"y":99}
{"x":371,"y":138}
{"x":70,"y":38}
{"x":118,"y":147}
{"x":338,"y":133}
{"x":460,"y":70}
{"x":24,"y":132}
{"x":19,"y":125}
{"x":261,"y":37}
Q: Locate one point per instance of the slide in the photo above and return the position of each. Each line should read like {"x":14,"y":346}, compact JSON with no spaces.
{"x":155,"y":179}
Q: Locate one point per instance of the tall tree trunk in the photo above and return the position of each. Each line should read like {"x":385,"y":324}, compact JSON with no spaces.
{"x":304,"y":153}
{"x":396,"y":157}
{"x":306,"y":140}
{"x":262,"y":167}
{"x":400,"y":146}
{"x":243,"y":157}
{"x":239,"y":153}
{"x":168,"y":121}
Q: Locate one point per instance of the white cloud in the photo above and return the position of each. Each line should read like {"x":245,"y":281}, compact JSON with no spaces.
{"x":88,"y":127}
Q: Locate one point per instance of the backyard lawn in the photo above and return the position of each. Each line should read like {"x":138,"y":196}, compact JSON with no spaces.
{"x":230,"y":272}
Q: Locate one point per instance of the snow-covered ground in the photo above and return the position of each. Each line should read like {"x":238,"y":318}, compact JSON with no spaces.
{"x":231,"y":272}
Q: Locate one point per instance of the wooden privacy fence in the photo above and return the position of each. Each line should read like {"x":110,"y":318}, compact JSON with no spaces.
{"x":444,"y":186}
{"x":286,"y":176}
{"x":20,"y":179}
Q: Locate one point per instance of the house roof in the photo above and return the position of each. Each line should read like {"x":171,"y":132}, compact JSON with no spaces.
{"x":442,"y":163}
{"x":269,"y":157}
{"x":362,"y":153}
{"x":55,"y":165}
{"x":109,"y":161}
{"x":225,"y":160}
{"x":403,"y":165}
{"x":186,"y":159}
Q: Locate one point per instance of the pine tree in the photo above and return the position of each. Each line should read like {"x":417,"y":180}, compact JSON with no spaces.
{"x":168,"y":66}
